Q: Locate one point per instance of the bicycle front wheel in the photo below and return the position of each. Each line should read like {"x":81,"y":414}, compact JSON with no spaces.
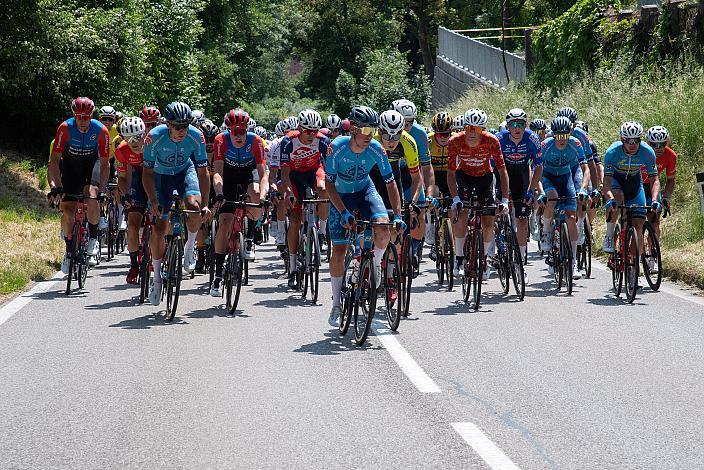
{"x":74,"y":256}
{"x":477,"y":269}
{"x":449,"y":252}
{"x":617,"y":264}
{"x":313,"y":269}
{"x":503,"y":269}
{"x":173,"y":277}
{"x":651,"y":256}
{"x":515,"y":260}
{"x":407,"y":272}
{"x":566,"y":257}
{"x":365,"y":301}
{"x":211,"y":253}
{"x":392,"y":282}
{"x":236,"y":266}
{"x":144,"y":266}
{"x":632,"y":261}
{"x":347,"y":295}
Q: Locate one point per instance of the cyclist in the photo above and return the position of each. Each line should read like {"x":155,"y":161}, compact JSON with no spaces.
{"x":237,"y":154}
{"x":334,"y":123}
{"x":150,"y":115}
{"x":168,"y":167}
{"x":623,"y":182}
{"x":560,"y":152}
{"x":108,"y":116}
{"x":302,"y":154}
{"x":470,"y":169}
{"x":128,"y":161}
{"x":666,"y":159}
{"x":457,"y":124}
{"x":210,"y":130}
{"x":521,"y":151}
{"x":350,"y":159}
{"x":279,"y":209}
{"x":198,"y":118}
{"x":441,"y":125}
{"x":540,"y":128}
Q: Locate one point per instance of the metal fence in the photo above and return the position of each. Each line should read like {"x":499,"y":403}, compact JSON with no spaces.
{"x":481,"y":60}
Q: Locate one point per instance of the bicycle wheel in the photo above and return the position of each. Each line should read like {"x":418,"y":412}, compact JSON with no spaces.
{"x":407,"y":272}
{"x":313,"y":270}
{"x":515,"y":261}
{"x":82,"y":260}
{"x":617,"y":263}
{"x":365,"y":299}
{"x":566,"y":257}
{"x":237,"y":267}
{"x":145,"y":265}
{"x":391,"y":276}
{"x":587,"y":249}
{"x":111,"y":232}
{"x":467,"y":266}
{"x":346,"y":295}
{"x":73,"y":256}
{"x":439,"y":255}
{"x":478,"y":268}
{"x":632,"y":262}
{"x":449,"y":253}
{"x":556,"y":256}
{"x":211,"y":252}
{"x":173,"y":277}
{"x":503,"y":270}
{"x":651,"y":254}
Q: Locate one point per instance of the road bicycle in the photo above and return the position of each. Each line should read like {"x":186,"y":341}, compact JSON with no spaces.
{"x":560,"y":256}
{"x":144,"y":256}
{"x":508,"y":261}
{"x":444,"y":244}
{"x":308,"y":255}
{"x":78,"y":253}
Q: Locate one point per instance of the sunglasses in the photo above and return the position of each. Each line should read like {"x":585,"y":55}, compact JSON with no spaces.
{"x":391,"y":138}
{"x":634,"y":141}
{"x":658,"y":145}
{"x":107,"y":118}
{"x":442,"y":135}
{"x":517,"y":125}
{"x":367,"y":130}
{"x":309,"y":131}
{"x":82,"y":117}
{"x":179,"y":127}
{"x":562,"y":136}
{"x":238,"y":132}
{"x":474,"y":129}
{"x":135,"y":138}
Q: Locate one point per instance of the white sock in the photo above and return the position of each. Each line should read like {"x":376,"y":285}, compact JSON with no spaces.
{"x":487,"y":247}
{"x":459,"y":246}
{"x":292,"y":262}
{"x":378,"y":254}
{"x":120,"y":209}
{"x":524,"y":250}
{"x":546,"y":225}
{"x":323,"y":225}
{"x":191,"y":243}
{"x":492,"y":248}
{"x":156,"y":264}
{"x":574,"y":249}
{"x":610,"y":226}
{"x":336,"y":284}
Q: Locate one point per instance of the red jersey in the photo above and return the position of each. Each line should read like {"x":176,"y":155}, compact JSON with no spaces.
{"x":474,"y":161}
{"x":303,"y":157}
{"x":124,"y":156}
{"x":667,"y":161}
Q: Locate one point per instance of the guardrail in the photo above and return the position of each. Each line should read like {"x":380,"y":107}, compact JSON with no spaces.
{"x":482,"y":61}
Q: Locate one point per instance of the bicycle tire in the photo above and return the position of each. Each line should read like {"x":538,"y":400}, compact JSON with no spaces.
{"x":503,"y":269}
{"x":587,"y":246}
{"x":110,"y":232}
{"x":346,"y":296}
{"x":314,"y":264}
{"x":173,"y":282}
{"x":651,"y":250}
{"x":365,"y":299}
{"x":632,"y":263}
{"x":302,"y":261}
{"x":466,"y":266}
{"x":394,"y":309}
{"x":449,"y":253}
{"x":144,"y":265}
{"x":407,"y":272}
{"x":478,"y":262}
{"x":518,"y":275}
{"x":211,"y":253}
{"x":557,"y":257}
{"x":82,"y":260}
{"x":73,"y":257}
{"x":439,"y":256}
{"x":617,"y":264}
{"x":566,"y":257}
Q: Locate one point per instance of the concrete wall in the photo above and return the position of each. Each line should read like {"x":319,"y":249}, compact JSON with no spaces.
{"x":452,"y":82}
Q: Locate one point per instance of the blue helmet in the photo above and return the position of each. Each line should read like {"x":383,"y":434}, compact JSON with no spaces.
{"x":561,"y":125}
{"x":178,"y":113}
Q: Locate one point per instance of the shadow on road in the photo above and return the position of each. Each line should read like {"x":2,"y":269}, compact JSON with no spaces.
{"x":334,"y":344}
{"x":146,"y":322}
{"x":217,"y":311}
{"x":610,"y":300}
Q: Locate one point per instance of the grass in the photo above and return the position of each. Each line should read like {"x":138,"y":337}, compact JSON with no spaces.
{"x":31,"y":248}
{"x":609,"y":97}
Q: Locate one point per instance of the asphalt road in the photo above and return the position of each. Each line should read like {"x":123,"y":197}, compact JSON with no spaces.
{"x":96,"y":381}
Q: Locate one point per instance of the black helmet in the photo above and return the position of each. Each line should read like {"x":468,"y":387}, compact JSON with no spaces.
{"x":568,"y":112}
{"x":178,"y":113}
{"x":561,"y":125}
{"x":364,"y":116}
{"x":538,"y":125}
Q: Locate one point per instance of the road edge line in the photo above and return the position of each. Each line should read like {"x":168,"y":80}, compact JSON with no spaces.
{"x":21,"y":301}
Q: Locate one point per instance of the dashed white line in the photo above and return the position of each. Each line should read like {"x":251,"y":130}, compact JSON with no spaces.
{"x":408,"y":365}
{"x":17,"y":304}
{"x":482,"y":445}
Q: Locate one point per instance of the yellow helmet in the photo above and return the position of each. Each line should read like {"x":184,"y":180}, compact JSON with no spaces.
{"x":442,"y":122}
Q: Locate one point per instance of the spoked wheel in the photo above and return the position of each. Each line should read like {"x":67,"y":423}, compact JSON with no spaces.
{"x":232,"y":277}
{"x":584,"y":252}
{"x":566,"y":257}
{"x":111,"y":232}
{"x":314,"y":267}
{"x":74,"y":257}
{"x":652,"y":261}
{"x":347,"y":295}
{"x":406,"y":272}
{"x":173,"y":277}
{"x":478,"y":268}
{"x":145,"y":273}
{"x":448,"y":253}
{"x":439,"y":255}
{"x":503,"y":270}
{"x":391,"y":276}
{"x":82,"y":264}
{"x":302,"y":268}
{"x":617,"y":262}
{"x":632,"y":262}
{"x":515,"y":261}
{"x":365,"y":302}
{"x":211,"y":253}
{"x":557,"y":271}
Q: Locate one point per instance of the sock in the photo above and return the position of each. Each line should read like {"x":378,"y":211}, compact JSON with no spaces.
{"x":92,"y":230}
{"x":415,"y":244}
{"x":492,"y":248}
{"x":191,"y":243}
{"x":487,"y":246}
{"x":459,"y":247}
{"x":610,"y":226}
{"x":378,"y":254}
{"x":292,"y":262}
{"x":336,"y":284}
{"x":134,"y":263}
{"x":524,"y":250}
{"x":574,"y":249}
{"x":120,"y":213}
{"x":156,"y":264}
{"x":219,"y":261}
{"x":546,"y":225}
{"x":323,"y":226}
{"x":251,"y":227}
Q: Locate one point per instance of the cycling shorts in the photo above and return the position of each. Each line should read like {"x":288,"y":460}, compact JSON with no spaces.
{"x":184,"y":182}
{"x":300,"y":180}
{"x":139,"y":195}
{"x":441,"y":183}
{"x":564,"y":186}
{"x":518,"y":182}
{"x":235,"y":188}
{"x":633,"y":194}
{"x":481,"y":186}
{"x":369,"y":204}
{"x":75,"y":178}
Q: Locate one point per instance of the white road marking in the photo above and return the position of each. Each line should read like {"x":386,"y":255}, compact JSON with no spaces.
{"x":483,"y":446}
{"x":17,"y":304}
{"x":408,"y":365}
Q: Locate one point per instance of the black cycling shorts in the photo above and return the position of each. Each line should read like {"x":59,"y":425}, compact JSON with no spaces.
{"x":481,"y":186}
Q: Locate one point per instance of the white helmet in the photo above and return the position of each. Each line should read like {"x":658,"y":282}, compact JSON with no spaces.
{"x":260,"y":131}
{"x":310,"y":119}
{"x":458,"y":123}
{"x":658,"y":135}
{"x":516,"y":114}
{"x":405,"y":107}
{"x":131,"y":127}
{"x":503,"y":126}
{"x":631,"y":130}
{"x":333,"y":122}
{"x":391,"y":122}
{"x":279,"y":129}
{"x":251,"y":125}
{"x":197,"y":117}
{"x":475,"y":117}
{"x":290,"y":123}
{"x":107,"y":111}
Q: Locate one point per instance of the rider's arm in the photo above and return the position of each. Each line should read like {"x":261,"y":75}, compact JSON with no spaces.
{"x":285,"y":149}
{"x":149,"y":187}
{"x":585,"y":176}
{"x":53,"y":172}
{"x":218,"y":168}
{"x":104,"y":155}
{"x":498,"y":157}
{"x":259,"y":153}
{"x":428,"y":178}
{"x":124,"y":179}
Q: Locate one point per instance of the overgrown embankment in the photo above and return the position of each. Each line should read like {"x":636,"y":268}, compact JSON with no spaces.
{"x":31,"y":249}
{"x":607,"y":98}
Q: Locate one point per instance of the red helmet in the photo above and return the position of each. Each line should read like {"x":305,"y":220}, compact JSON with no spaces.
{"x":83,"y":106}
{"x":237,"y":119}
{"x":150,"y":114}
{"x":345,"y":124}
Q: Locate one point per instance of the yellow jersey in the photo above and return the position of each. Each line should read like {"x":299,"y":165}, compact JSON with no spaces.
{"x":438,"y":154}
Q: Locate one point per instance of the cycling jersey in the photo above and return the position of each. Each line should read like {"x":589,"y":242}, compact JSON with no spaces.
{"x":349,"y":171}
{"x":274,"y":155}
{"x":474,"y":161}
{"x":73,"y":144}
{"x":245,"y":158}
{"x":421,"y":137}
{"x":113,"y":143}
{"x":404,"y":162}
{"x":124,"y":156}
{"x":618,"y":164}
{"x":528,"y":150}
{"x":303,"y":157}
{"x":438,"y":153}
{"x":561,"y":162}
{"x":667,"y":161}
{"x":167,"y":157}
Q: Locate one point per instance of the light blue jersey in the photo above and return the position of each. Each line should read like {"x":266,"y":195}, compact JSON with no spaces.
{"x":167,"y":157}
{"x":349,"y":171}
{"x":421,"y":137}
{"x":561,"y":162}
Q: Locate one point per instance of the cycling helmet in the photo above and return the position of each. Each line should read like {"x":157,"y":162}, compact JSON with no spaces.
{"x":567,"y":112}
{"x":442,"y":122}
{"x":538,"y":125}
{"x":333,"y":122}
{"x":391,"y":122}
{"x":178,"y":113}
{"x":364,"y":116}
{"x":658,"y":135}
{"x":475,"y":117}
{"x":345,"y":127}
{"x":561,"y":125}
{"x":405,"y":107}
{"x":516,"y":114}
{"x":458,"y":123}
{"x":198,"y":117}
{"x":150,"y":114}
{"x":290,"y":123}
{"x":210,"y":130}
{"x":260,"y":131}
{"x":119,"y":116}
{"x":237,"y":119}
{"x":492,"y":130}
{"x":279,"y":129}
{"x":631,"y":130}
{"x":82,"y":105}
{"x":310,"y":120}
{"x":503,"y":126}
{"x":132,"y":127}
{"x":107,"y":111}
{"x":252,"y":124}
{"x":582,"y":125}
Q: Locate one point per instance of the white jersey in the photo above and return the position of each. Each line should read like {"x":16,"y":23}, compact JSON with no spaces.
{"x":274,"y":157}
